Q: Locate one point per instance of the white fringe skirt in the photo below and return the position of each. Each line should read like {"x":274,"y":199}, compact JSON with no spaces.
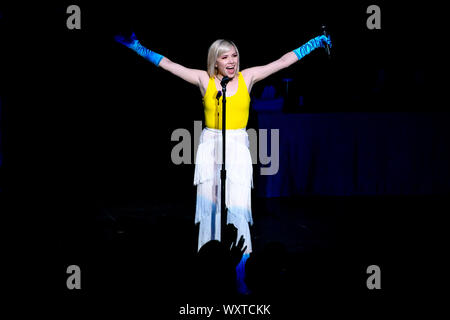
{"x":238,"y":164}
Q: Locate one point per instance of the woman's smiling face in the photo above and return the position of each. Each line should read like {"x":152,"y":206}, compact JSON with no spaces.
{"x":227,"y":63}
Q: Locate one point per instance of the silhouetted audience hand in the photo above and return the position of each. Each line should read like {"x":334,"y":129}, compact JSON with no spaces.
{"x":237,"y":250}
{"x":229,"y":235}
{"x":229,"y":241}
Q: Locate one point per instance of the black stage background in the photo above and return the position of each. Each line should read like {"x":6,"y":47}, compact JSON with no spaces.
{"x":87,"y":176}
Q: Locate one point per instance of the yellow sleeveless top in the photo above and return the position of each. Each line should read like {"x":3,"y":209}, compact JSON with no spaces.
{"x":238,"y":106}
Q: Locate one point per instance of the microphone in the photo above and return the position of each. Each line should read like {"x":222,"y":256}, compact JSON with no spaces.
{"x":327,"y":48}
{"x":224,"y":81}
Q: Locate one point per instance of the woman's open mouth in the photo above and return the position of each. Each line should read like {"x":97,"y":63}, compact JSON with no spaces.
{"x":230,"y":70}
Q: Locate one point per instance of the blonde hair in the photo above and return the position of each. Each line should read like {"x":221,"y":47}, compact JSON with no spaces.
{"x":216,"y":49}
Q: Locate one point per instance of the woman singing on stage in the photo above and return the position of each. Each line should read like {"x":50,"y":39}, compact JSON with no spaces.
{"x":223,"y":61}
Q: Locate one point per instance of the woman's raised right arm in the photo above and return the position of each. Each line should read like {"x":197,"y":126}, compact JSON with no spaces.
{"x":194,"y":76}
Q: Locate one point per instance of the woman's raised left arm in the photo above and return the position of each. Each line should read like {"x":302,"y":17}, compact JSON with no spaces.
{"x":255,"y":74}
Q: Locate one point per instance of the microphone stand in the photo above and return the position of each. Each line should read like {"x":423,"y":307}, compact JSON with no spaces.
{"x":223,"y":172}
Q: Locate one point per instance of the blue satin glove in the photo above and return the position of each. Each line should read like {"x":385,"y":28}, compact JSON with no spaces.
{"x":133,"y":43}
{"x":317,"y":42}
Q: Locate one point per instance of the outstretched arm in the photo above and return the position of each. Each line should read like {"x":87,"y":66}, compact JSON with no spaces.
{"x":255,"y":74}
{"x":194,"y":76}
{"x":259,"y":73}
